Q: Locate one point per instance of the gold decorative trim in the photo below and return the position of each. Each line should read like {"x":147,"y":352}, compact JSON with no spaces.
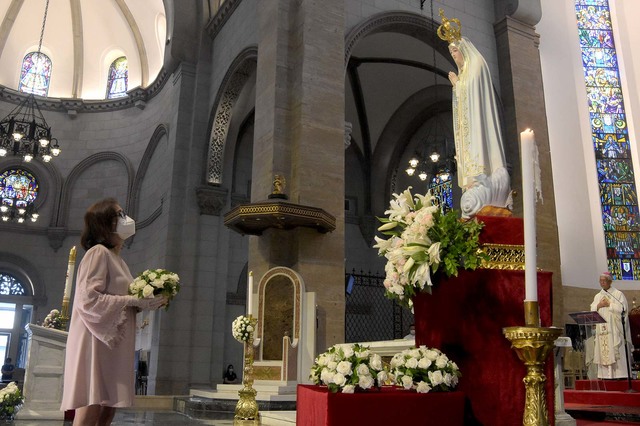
{"x":262,"y":372}
{"x":503,"y":256}
{"x":254,"y":218}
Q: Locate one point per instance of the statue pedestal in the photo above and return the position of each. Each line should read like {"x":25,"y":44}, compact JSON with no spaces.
{"x":44,"y":374}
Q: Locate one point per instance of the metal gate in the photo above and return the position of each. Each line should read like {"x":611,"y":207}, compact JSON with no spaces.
{"x":369,"y":315}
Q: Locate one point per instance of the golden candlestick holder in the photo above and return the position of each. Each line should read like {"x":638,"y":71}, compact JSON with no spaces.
{"x":533,"y":344}
{"x":64,"y":314}
{"x":247,"y":407}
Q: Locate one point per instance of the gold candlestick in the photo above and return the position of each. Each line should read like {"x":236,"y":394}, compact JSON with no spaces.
{"x":64,"y":312}
{"x":247,"y":407}
{"x":533,"y":344}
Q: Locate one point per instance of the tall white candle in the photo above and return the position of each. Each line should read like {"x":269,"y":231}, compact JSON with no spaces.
{"x":527,"y":145}
{"x":68,"y":285}
{"x":250,"y":293}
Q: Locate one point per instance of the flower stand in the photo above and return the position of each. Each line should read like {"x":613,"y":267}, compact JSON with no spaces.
{"x":316,"y":406}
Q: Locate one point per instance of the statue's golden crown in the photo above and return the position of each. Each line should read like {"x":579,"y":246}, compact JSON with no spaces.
{"x":450,"y":29}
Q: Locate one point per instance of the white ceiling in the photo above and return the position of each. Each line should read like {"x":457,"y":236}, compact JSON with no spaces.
{"x":104,"y":31}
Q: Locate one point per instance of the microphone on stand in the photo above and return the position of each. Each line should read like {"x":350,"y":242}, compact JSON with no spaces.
{"x":626,"y":345}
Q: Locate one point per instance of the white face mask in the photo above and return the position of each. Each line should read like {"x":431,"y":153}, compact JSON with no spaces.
{"x":126,"y":227}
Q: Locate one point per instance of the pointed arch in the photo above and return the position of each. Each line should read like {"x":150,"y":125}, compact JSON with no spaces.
{"x":239,"y":71}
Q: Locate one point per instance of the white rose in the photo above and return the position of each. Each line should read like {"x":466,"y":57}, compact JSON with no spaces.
{"x":412,"y":363}
{"x":321,"y":360}
{"x":407,"y":382}
{"x":441,"y":362}
{"x":376,"y":362}
{"x":348,"y":389}
{"x":424,"y":363}
{"x":435,"y":377}
{"x":152,"y":275}
{"x":363,"y":370}
{"x":348,"y":351}
{"x":423,"y":387}
{"x":344,"y":368}
{"x":364,"y":354}
{"x":448,"y":379}
{"x":382,"y":377}
{"x":431,"y":354}
{"x":147,"y":291}
{"x":159,"y":270}
{"x":339,"y":379}
{"x":175,"y":277}
{"x":326,"y":376}
{"x":365,"y":382}
{"x":331,"y":365}
{"x":157,"y":283}
{"x":249,"y":328}
{"x":415,"y":353}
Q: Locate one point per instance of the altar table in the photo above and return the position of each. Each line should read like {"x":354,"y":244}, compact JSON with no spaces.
{"x":316,"y":406}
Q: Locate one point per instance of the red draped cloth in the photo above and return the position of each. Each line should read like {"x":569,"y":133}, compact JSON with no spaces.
{"x":316,"y":406}
{"x":464,"y":318}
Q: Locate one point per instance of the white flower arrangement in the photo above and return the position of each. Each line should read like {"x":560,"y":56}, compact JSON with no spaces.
{"x":425,"y":370}
{"x":10,"y":401}
{"x":348,"y":367}
{"x":241,"y":328}
{"x":154,"y":282}
{"x":53,"y":320}
{"x":424,"y":241}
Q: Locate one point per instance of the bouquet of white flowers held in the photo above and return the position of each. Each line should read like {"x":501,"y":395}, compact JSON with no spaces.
{"x":53,"y":320}
{"x":10,"y":401}
{"x":154,"y":282}
{"x":423,"y":242}
{"x":425,"y":370}
{"x":347,"y":367}
{"x":241,"y":328}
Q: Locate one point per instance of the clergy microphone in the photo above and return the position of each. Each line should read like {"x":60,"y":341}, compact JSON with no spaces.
{"x":617,"y":300}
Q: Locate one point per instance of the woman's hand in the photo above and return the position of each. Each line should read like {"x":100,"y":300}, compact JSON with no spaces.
{"x":148,"y":304}
{"x":453,"y":78}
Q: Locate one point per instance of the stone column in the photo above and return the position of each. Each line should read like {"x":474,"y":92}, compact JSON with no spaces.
{"x":299,"y":134}
{"x":523,"y":99}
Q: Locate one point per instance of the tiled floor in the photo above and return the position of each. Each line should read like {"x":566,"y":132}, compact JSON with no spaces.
{"x":126,"y":417}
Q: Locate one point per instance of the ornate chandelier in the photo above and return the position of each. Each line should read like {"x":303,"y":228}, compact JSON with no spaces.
{"x":24,"y":131}
{"x":18,"y":210}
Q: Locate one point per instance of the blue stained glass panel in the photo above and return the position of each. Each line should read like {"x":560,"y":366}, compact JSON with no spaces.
{"x":609,"y":145}
{"x":601,"y":77}
{"x":10,"y":285}
{"x":118,"y":79}
{"x":610,"y":139}
{"x":440,"y":187}
{"x":35,"y":74}
{"x":20,"y":185}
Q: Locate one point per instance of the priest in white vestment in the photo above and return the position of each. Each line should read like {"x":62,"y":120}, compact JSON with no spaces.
{"x":609,"y":350}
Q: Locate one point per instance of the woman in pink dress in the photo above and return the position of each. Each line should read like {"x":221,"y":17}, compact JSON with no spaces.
{"x":99,"y":364}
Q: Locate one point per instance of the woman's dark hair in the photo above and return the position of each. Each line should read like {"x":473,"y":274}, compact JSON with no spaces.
{"x":98,"y":224}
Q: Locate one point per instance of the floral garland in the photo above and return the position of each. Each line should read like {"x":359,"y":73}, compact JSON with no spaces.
{"x":425,"y":370}
{"x":156,"y":282}
{"x":348,"y":367}
{"x":241,"y":328}
{"x":422,"y":242}
{"x":11,"y":401}
{"x":53,"y":320}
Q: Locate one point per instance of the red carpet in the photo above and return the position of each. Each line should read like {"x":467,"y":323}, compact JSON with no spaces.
{"x":603,"y":402}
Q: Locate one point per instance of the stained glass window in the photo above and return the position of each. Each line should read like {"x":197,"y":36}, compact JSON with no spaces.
{"x":118,"y":79}
{"x":610,"y":137}
{"x":9,"y":285}
{"x":440,"y":187}
{"x":18,"y":185}
{"x":35,"y":75}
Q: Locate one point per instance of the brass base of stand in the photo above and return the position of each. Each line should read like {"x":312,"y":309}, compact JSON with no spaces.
{"x":533,"y":345}
{"x":247,"y":407}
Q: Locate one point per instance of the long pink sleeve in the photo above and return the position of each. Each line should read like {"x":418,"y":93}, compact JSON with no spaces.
{"x":103,"y":313}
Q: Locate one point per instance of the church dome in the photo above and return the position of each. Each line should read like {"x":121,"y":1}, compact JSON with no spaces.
{"x":83,"y":38}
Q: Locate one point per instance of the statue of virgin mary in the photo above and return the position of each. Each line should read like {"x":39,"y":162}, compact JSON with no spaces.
{"x":482,"y":174}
